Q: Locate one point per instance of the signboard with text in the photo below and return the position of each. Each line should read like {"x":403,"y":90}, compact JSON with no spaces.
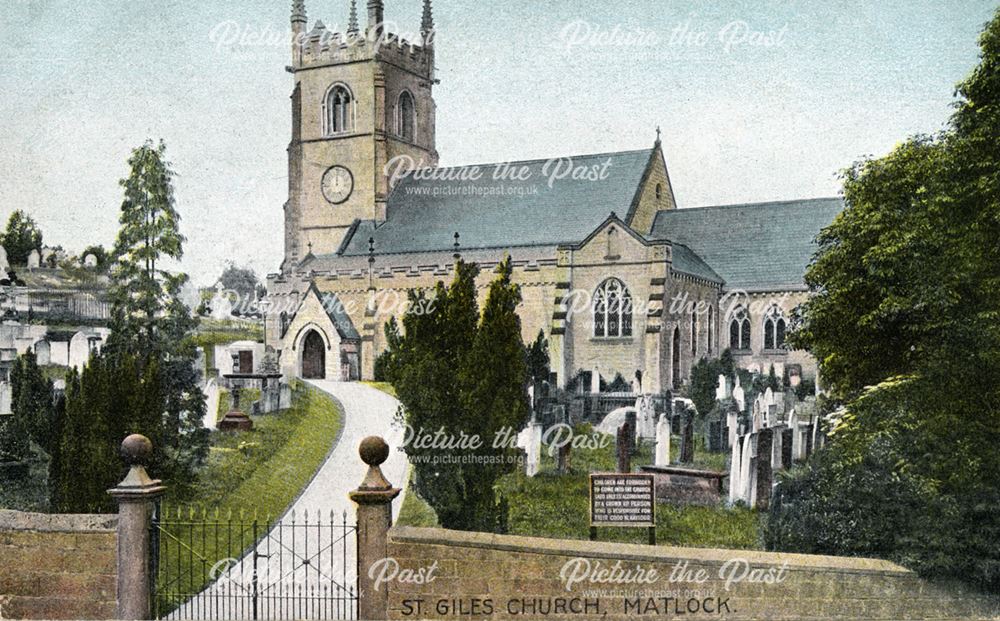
{"x":622,"y":500}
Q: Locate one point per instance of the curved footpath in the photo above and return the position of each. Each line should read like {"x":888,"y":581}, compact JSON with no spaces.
{"x":367,"y":411}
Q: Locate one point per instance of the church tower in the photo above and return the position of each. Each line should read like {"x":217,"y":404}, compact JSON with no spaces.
{"x":362,"y":100}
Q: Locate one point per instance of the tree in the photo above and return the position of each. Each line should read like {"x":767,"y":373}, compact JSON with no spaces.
{"x":906,"y":293}
{"x":32,"y":401}
{"x":537,"y":356}
{"x":144,"y":380}
{"x":386,"y":362}
{"x":465,"y":374}
{"x":21,"y":237}
{"x":242,"y":281}
{"x":100,"y":254}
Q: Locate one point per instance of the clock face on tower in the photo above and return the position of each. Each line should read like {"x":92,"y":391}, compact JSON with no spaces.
{"x":337,"y":185}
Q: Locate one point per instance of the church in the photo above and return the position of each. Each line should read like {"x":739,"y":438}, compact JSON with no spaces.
{"x":619,"y":279}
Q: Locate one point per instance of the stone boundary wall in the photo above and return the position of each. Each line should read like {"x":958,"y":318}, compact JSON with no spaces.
{"x":485,"y":576}
{"x":57,"y":566}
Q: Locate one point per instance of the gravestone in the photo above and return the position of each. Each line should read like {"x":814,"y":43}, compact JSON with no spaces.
{"x":595,"y":382}
{"x":739,"y":396}
{"x":687,"y":438}
{"x":90,"y":260}
{"x":746,"y":455}
{"x":732,"y":423}
{"x":777,"y":436}
{"x":34,"y":259}
{"x":662,"y":456}
{"x":762,"y":472}
{"x":735,"y":459}
{"x":786,"y":448}
{"x":534,"y":448}
{"x":630,"y":422}
{"x":722,"y":389}
{"x":4,"y":264}
{"x":622,"y":450}
{"x":563,"y":465}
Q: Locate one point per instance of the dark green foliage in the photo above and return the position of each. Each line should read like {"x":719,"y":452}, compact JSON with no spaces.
{"x":537,"y":357}
{"x":13,"y":440}
{"x":144,"y":380}
{"x":619,"y":384}
{"x":21,"y":237}
{"x":245,"y":284}
{"x":906,"y":300}
{"x":705,"y":379}
{"x":100,"y":254}
{"x":385,"y":363}
{"x":466,"y":374}
{"x":806,"y":388}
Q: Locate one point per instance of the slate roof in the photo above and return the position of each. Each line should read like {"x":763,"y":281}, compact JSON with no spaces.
{"x":756,"y":246}
{"x":424,"y":214}
{"x":336,"y":312}
{"x":685,"y":260}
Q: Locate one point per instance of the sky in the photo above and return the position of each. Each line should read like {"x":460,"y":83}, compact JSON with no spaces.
{"x":757,"y":101}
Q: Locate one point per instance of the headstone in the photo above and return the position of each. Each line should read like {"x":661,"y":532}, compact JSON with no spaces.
{"x":739,"y":395}
{"x":762,"y":473}
{"x":595,"y":381}
{"x":758,"y":415}
{"x":630,"y":422}
{"x":563,"y":465}
{"x":4,"y":264}
{"x":34,"y":259}
{"x":90,"y":260}
{"x":777,"y":435}
{"x":793,"y":424}
{"x":721,"y":389}
{"x":734,"y":471}
{"x":732,"y":421}
{"x":534,"y":448}
{"x":687,"y":438}
{"x":746,"y":454}
{"x":622,"y":450}
{"x":662,"y":457}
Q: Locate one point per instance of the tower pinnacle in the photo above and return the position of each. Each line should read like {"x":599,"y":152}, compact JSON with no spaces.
{"x":352,"y":22}
{"x":427,"y":23}
{"x":376,"y":15}
{"x":298,"y":11}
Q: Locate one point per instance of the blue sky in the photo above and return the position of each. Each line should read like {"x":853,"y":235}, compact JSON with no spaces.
{"x":82,"y":83}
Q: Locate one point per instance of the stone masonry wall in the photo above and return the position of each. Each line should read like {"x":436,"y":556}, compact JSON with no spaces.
{"x":57,"y":566}
{"x":485,"y":576}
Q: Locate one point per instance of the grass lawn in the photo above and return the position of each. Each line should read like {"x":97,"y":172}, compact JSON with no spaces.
{"x":385,"y":387}
{"x":259,"y":473}
{"x":550,"y":505}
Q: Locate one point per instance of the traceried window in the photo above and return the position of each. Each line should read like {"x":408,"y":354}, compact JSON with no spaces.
{"x":338,"y":110}
{"x":739,"y":330}
{"x":774,"y":329}
{"x":612,"y":310}
{"x":405,"y":114}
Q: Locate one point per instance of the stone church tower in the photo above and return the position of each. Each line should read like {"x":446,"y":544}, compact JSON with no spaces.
{"x":362,"y":100}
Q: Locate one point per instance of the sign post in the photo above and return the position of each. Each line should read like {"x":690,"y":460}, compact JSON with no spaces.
{"x":624,"y":500}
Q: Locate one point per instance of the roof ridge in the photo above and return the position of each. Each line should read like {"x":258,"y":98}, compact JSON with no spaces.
{"x":758,"y":204}
{"x":536,"y":160}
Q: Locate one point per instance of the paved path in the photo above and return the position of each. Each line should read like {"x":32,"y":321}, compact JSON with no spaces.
{"x":319,"y":559}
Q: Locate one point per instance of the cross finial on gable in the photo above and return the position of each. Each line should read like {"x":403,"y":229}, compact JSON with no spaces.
{"x":658,"y":135}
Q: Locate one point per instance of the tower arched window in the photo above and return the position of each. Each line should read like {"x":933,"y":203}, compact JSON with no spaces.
{"x":659,"y":191}
{"x":612,"y":310}
{"x":338,"y":110}
{"x":774,"y":328}
{"x":405,"y":116}
{"x":739,"y":329}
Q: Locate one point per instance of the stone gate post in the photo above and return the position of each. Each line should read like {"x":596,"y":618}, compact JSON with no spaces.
{"x":374,"y":499}
{"x":135,"y":495}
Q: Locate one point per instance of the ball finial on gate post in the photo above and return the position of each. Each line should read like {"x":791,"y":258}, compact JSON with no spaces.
{"x":374,"y":451}
{"x":136,"y":450}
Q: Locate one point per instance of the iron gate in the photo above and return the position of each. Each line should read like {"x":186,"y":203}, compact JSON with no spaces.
{"x":236,"y":566}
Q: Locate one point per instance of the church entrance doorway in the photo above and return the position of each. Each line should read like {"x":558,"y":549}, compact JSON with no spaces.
{"x":313,"y":356}
{"x":675,"y":365}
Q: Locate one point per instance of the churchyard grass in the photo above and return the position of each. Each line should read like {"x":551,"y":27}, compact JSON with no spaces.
{"x":553,"y":505}
{"x":259,"y":473}
{"x":29,"y":492}
{"x":415,"y":510}
{"x":556,"y":506}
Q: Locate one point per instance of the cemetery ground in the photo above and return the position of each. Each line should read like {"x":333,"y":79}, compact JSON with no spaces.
{"x":258,"y":473}
{"x":557,"y":505}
